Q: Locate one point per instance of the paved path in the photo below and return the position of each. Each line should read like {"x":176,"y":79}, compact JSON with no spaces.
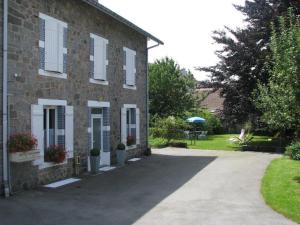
{"x":225,"y":192}
{"x":174,"y":186}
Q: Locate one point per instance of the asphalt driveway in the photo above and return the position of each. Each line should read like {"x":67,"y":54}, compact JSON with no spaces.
{"x":174,"y":186}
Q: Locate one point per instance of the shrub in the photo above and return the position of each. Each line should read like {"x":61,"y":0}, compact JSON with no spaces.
{"x":169,"y":128}
{"x":178,"y":144}
{"x":95,"y":152}
{"x":22,"y":142}
{"x":293,"y":150}
{"x":56,"y":154}
{"x":121,"y":146}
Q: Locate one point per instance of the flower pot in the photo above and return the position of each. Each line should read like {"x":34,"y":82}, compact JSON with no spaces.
{"x":20,"y":157}
{"x":95,"y":164}
{"x":121,"y":157}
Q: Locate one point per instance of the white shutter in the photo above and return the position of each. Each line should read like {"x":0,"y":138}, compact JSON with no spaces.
{"x":37,"y":129}
{"x":137,"y":113}
{"x":60,"y":48}
{"x":130,"y":67}
{"x":69,"y":133}
{"x":123,"y":126}
{"x":51,"y":45}
{"x":100,"y":58}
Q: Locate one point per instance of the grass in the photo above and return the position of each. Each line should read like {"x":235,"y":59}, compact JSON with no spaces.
{"x":214,"y":142}
{"x":281,"y":187}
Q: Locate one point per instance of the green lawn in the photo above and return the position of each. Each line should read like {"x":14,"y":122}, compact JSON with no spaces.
{"x":214,"y":142}
{"x":281,"y":187}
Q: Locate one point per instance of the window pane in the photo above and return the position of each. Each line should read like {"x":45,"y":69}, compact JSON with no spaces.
{"x":96,"y":111}
{"x":51,"y":127}
{"x":128,"y":116}
{"x":97,"y":133}
{"x":45,"y":129}
{"x":133,"y":117}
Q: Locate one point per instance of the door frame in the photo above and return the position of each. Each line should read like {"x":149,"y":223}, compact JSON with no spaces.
{"x":97,"y":116}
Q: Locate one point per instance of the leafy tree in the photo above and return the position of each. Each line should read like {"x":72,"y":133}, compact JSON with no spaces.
{"x":279,"y":100}
{"x":243,"y":57}
{"x":171,"y":91}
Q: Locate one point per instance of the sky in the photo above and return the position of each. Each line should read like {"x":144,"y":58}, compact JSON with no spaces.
{"x":184,"y":26}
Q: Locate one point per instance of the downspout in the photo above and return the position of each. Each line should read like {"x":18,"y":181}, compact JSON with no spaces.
{"x":147,"y":94}
{"x":4,"y":102}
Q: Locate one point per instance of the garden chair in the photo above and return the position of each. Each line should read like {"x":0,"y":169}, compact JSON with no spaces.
{"x":203,"y":135}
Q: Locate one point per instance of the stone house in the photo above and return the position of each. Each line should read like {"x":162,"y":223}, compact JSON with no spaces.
{"x":77,"y":77}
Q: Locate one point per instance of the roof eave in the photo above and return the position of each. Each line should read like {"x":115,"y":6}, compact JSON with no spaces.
{"x":122,"y":20}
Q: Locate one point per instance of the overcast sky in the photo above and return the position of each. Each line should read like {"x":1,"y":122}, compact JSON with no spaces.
{"x":184,"y":26}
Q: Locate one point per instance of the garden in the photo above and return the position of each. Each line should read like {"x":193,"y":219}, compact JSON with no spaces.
{"x":258,"y":75}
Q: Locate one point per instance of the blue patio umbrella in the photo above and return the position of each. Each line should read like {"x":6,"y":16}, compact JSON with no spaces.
{"x":196,"y":120}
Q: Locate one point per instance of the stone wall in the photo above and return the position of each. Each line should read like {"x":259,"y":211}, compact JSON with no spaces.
{"x":1,"y":77}
{"x":27,"y":87}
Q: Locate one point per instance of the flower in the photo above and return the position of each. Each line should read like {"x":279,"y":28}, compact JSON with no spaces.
{"x":22,"y":142}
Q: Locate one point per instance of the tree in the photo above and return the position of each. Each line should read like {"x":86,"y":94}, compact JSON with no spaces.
{"x":279,"y":100}
{"x":243,"y":57}
{"x":171,"y":91}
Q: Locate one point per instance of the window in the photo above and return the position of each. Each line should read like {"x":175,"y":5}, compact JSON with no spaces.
{"x":52,"y":123}
{"x":54,"y":126}
{"x":129,"y":67}
{"x":53,"y":47}
{"x":130,"y":125}
{"x":98,"y":58}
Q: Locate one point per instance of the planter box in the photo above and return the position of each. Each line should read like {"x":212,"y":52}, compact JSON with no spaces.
{"x":121,"y":157}
{"x":20,"y":157}
{"x":95,"y":164}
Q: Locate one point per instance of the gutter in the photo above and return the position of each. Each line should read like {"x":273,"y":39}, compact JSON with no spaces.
{"x":4,"y":101}
{"x":147,"y":92}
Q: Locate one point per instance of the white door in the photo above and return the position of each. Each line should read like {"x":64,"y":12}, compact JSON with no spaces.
{"x":97,"y":131}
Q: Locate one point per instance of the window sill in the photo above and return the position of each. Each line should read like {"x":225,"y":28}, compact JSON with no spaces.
{"x":50,"y":74}
{"x":129,"y":87}
{"x":131,"y":147}
{"x":102,"y":82}
{"x":46,"y":165}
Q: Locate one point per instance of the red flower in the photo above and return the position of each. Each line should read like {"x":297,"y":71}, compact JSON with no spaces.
{"x":56,"y":154}
{"x":130,"y":140}
{"x":22,"y":142}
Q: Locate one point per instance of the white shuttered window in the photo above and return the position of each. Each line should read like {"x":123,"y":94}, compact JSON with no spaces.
{"x":99,"y":57}
{"x":129,"y":66}
{"x":53,"y":46}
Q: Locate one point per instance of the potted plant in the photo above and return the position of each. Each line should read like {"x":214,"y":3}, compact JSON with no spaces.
{"x":22,"y":148}
{"x":130,"y":140}
{"x":121,"y":154}
{"x":148,"y":152}
{"x":95,"y":160}
{"x":55,"y":154}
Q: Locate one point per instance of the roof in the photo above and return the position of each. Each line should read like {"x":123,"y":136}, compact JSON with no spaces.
{"x":211,"y":99}
{"x":121,"y":19}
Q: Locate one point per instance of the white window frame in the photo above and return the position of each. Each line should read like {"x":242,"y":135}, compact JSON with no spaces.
{"x":51,"y":103}
{"x":93,"y":80}
{"x":127,"y":107}
{"x":42,"y":45}
{"x":47,"y":107}
{"x":125,"y":85}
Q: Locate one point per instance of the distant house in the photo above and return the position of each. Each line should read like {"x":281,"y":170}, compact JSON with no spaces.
{"x":210,"y":99}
